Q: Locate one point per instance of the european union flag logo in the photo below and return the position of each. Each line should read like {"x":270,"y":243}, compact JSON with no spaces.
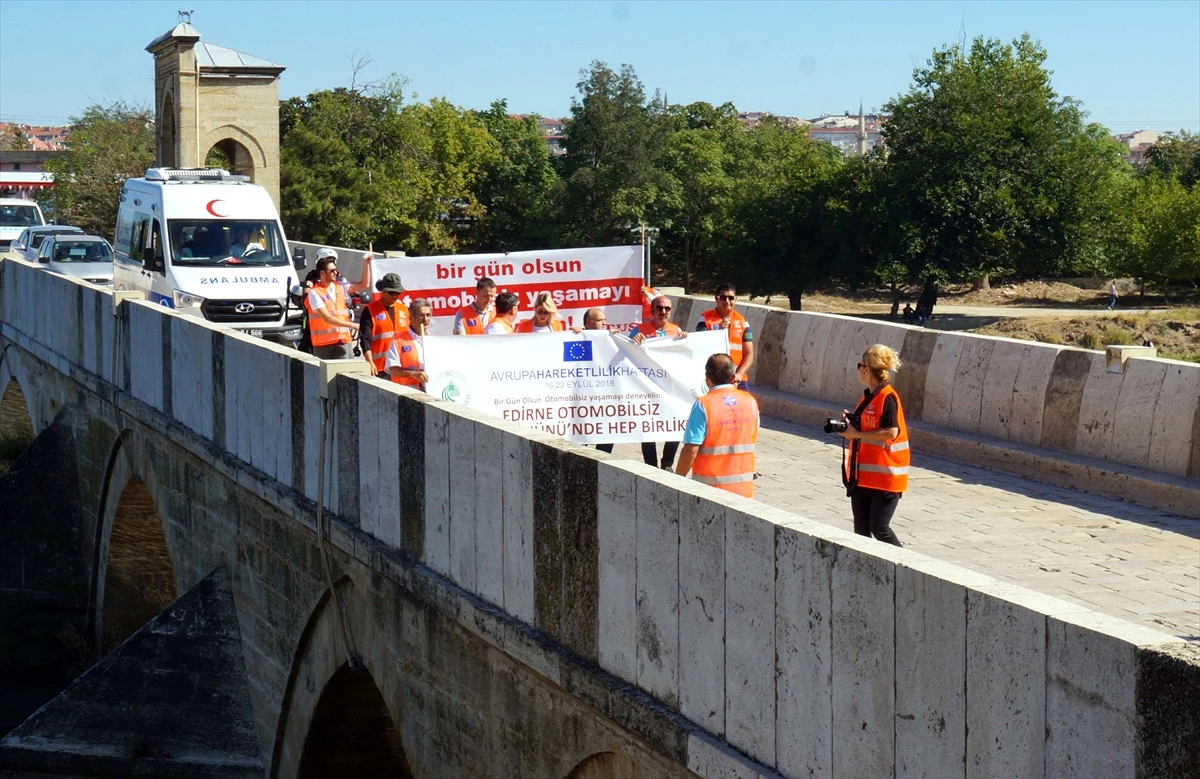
{"x":577,"y":351}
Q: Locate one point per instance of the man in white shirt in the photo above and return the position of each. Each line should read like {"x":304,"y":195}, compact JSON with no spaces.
{"x":506,"y":304}
{"x":405,"y":360}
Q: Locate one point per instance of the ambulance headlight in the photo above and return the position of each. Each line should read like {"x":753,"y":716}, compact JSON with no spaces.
{"x":186,"y":300}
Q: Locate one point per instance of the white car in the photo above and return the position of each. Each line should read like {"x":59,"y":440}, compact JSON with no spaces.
{"x":26,"y":245}
{"x":87,"y":257}
{"x":15,"y":215}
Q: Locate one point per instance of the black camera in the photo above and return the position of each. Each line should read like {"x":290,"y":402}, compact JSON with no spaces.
{"x":835,"y":425}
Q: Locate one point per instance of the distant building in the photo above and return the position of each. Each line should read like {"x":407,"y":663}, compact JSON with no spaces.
{"x":1137,"y":143}
{"x":553,"y":131}
{"x":40,"y":138}
{"x":752,"y":118}
{"x":849,"y":133}
{"x":22,"y":173}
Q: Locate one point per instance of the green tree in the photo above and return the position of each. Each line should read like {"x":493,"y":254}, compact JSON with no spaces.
{"x":692,"y":208}
{"x":107,"y":145}
{"x":359,"y":166}
{"x":443,"y":162}
{"x":516,"y":189}
{"x":336,"y":157}
{"x":12,"y":138}
{"x":1161,"y":231}
{"x":610,"y":182}
{"x":998,"y":173}
{"x":778,"y":238}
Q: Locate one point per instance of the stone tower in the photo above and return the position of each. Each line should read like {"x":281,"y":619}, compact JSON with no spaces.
{"x":209,"y":98}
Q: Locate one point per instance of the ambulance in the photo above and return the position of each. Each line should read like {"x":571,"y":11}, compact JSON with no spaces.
{"x":208,"y":244}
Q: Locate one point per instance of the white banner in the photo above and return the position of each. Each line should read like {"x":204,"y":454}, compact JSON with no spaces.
{"x":590,"y":388}
{"x":607,"y":277}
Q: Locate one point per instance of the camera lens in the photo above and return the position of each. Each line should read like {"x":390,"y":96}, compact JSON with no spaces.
{"x":834,"y":425}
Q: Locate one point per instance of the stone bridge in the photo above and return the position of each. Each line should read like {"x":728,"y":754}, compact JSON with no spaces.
{"x":282,"y":570}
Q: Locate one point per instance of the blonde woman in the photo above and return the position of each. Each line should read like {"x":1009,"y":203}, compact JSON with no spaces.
{"x":545,"y":317}
{"x":875,"y":465}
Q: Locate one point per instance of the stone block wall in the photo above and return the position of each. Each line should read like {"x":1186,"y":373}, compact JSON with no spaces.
{"x":774,"y":643}
{"x":1044,"y":395}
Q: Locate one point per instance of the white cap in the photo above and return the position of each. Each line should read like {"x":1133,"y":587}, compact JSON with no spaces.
{"x":326,"y":252}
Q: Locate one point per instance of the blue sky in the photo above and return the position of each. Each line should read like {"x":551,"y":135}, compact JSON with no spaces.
{"x":1132,"y":64}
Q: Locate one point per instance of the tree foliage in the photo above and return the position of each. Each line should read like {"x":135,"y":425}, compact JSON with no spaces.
{"x":1176,"y":155}
{"x":1160,"y":231}
{"x":610,"y":182}
{"x":998,"y":172}
{"x":515,"y":192}
{"x":107,"y":145}
{"x":12,"y":138}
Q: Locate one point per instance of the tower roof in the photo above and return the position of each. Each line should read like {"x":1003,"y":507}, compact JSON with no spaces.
{"x":182,"y":31}
{"x":210,"y":56}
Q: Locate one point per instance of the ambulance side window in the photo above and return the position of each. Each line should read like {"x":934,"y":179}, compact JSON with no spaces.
{"x":137,"y":239}
{"x":154,"y":256}
{"x":125,"y":223}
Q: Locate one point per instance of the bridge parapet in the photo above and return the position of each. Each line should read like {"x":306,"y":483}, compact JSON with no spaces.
{"x":772,"y":643}
{"x":1057,"y":397}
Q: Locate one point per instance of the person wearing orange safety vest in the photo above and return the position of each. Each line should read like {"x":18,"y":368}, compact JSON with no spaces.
{"x":506,"y":305}
{"x":658,"y":326}
{"x":718,"y":443}
{"x":875,"y":465}
{"x":329,"y":320}
{"x":545,"y":317}
{"x":381,"y":321}
{"x":473,"y":318}
{"x":405,"y":360}
{"x":725,"y":317}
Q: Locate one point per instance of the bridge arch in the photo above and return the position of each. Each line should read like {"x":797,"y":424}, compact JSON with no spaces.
{"x":352,"y":732}
{"x":17,"y":429}
{"x":133,"y":576}
{"x":605,"y":765}
{"x":323,"y":694}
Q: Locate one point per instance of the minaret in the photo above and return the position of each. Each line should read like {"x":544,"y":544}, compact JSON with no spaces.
{"x":862,"y":130}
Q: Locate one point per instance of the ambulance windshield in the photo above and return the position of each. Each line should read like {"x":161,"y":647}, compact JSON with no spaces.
{"x":214,"y":242}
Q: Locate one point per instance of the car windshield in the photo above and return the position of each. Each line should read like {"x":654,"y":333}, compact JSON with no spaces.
{"x":213,"y":242}
{"x":82,"y":251}
{"x":19,"y":216}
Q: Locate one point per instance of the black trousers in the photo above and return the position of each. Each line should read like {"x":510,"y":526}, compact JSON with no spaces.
{"x":604,"y":448}
{"x":650,"y":453}
{"x":873,"y":510}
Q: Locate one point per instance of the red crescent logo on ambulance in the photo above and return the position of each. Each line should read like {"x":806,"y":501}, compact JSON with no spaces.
{"x":212,"y":207}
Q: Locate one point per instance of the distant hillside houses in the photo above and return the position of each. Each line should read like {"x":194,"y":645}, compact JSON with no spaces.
{"x":1138,"y":143}
{"x":32,"y":137}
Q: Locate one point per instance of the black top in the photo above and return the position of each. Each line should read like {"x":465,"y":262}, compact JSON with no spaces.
{"x":887,"y":417}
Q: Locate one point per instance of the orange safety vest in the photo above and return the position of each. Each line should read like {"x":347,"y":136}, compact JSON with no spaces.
{"x":526,"y":326}
{"x":409,"y":359}
{"x":323,"y":333}
{"x":648,"y":329}
{"x":384,"y":326}
{"x":726,"y":457}
{"x":648,"y":294}
{"x":473,"y":322}
{"x":879,"y":466}
{"x":502,"y":322}
{"x":736,"y":330}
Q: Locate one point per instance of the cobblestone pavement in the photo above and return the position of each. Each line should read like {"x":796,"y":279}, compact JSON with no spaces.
{"x":1124,"y":560}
